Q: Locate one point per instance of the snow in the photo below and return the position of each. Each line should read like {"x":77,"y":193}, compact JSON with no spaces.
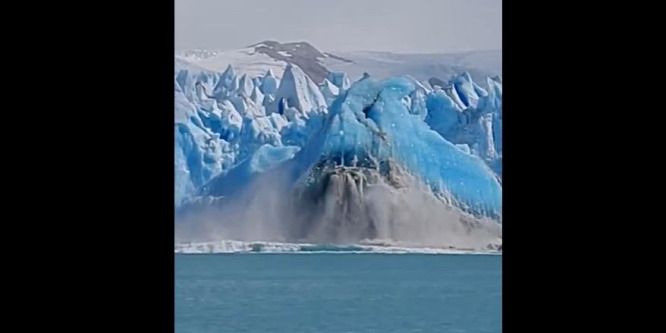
{"x":480,"y":64}
{"x":195,"y":55}
{"x":181,"y":63}
{"x":381,"y":65}
{"x":245,"y":61}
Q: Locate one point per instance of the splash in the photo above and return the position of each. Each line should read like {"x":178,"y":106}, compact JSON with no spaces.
{"x":240,"y":247}
{"x":341,"y":205}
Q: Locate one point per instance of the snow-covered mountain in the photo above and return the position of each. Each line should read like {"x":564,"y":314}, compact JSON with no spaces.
{"x":278,"y":156}
{"x":257,"y":58}
{"x":423,"y":67}
{"x":195,"y":55}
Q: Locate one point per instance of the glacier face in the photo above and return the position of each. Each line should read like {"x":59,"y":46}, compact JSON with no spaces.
{"x":370,"y":126}
{"x":231,"y":129}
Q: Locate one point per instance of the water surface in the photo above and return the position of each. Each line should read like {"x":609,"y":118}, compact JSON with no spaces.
{"x":338,"y":293}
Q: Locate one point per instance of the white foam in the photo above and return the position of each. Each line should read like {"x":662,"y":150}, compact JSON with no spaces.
{"x":233,"y":246}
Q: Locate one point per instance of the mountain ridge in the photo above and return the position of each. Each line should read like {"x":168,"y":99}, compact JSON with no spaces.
{"x":256,"y":58}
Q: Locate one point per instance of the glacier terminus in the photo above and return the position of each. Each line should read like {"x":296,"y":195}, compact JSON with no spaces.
{"x":281,"y":143}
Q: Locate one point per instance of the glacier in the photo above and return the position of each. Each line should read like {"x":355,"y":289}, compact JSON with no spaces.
{"x":369,"y":143}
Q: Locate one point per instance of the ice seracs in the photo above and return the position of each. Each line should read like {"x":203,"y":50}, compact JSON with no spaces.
{"x":340,"y":80}
{"x":257,"y":96}
{"x":298,"y":91}
{"x":368,"y":169}
{"x":448,"y":137}
{"x":468,"y":91}
{"x":245,"y":85}
{"x":329,"y":91}
{"x":269,"y":83}
{"x":372,"y":122}
{"x":226,"y":84}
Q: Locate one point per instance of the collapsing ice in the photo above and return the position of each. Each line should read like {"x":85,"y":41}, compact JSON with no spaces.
{"x":349,"y":205}
{"x":371,"y":169}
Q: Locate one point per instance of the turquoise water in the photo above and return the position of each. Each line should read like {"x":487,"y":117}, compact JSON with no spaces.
{"x":338,"y":293}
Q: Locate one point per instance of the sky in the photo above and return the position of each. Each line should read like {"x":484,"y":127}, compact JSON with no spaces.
{"x":402,"y":26}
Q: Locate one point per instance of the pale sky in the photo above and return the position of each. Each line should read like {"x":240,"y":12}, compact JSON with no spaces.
{"x":404,"y":26}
